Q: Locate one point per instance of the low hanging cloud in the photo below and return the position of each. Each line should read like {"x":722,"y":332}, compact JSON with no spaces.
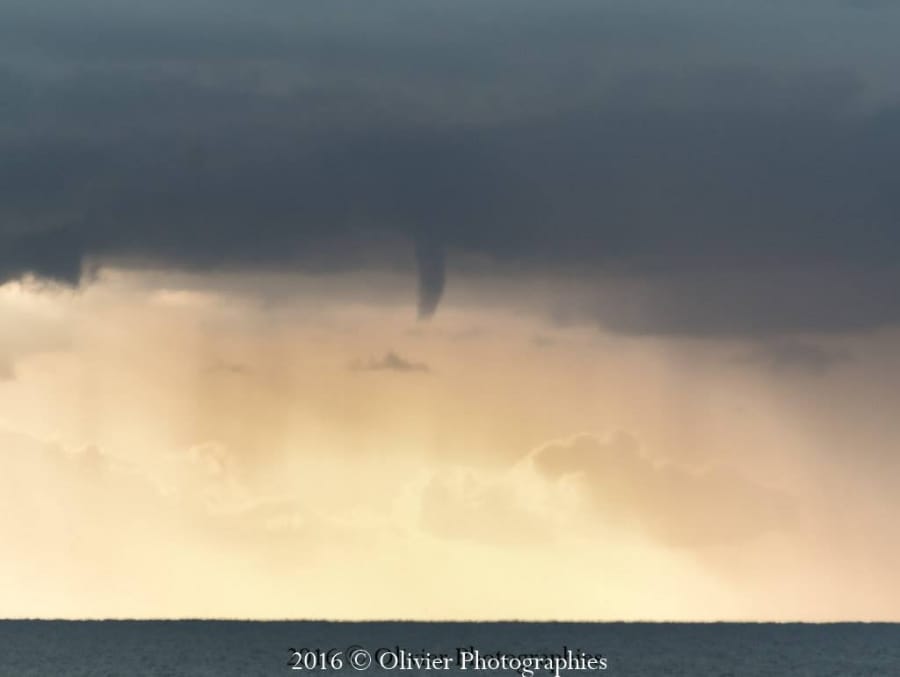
{"x":228,"y":368}
{"x":391,"y":361}
{"x":797,"y":356}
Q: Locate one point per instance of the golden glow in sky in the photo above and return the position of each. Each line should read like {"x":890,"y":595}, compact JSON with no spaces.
{"x":187,"y":452}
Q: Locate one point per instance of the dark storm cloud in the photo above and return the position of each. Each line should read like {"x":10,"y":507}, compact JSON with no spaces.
{"x":574,"y":138}
{"x":874,"y":4}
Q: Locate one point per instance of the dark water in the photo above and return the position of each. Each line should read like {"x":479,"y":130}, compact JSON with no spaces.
{"x":251,"y":649}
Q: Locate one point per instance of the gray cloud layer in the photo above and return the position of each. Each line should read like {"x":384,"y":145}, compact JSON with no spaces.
{"x":581,"y":138}
{"x":797,"y":356}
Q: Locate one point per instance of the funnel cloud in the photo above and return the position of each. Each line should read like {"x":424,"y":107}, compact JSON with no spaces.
{"x":431,"y":263}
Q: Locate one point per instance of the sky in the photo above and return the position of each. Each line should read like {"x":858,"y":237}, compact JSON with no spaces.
{"x":471,"y":310}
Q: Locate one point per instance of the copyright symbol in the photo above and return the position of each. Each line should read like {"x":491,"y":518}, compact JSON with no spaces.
{"x":359,"y":658}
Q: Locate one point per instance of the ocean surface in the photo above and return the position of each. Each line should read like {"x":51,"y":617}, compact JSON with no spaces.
{"x":262,"y":649}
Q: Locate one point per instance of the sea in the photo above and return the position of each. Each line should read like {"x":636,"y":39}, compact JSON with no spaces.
{"x":31,"y":648}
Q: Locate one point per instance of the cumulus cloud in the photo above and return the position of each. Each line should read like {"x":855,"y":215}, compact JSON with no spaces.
{"x":60,"y":506}
{"x":679,"y":505}
{"x":591,"y":485}
{"x":464,"y":504}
